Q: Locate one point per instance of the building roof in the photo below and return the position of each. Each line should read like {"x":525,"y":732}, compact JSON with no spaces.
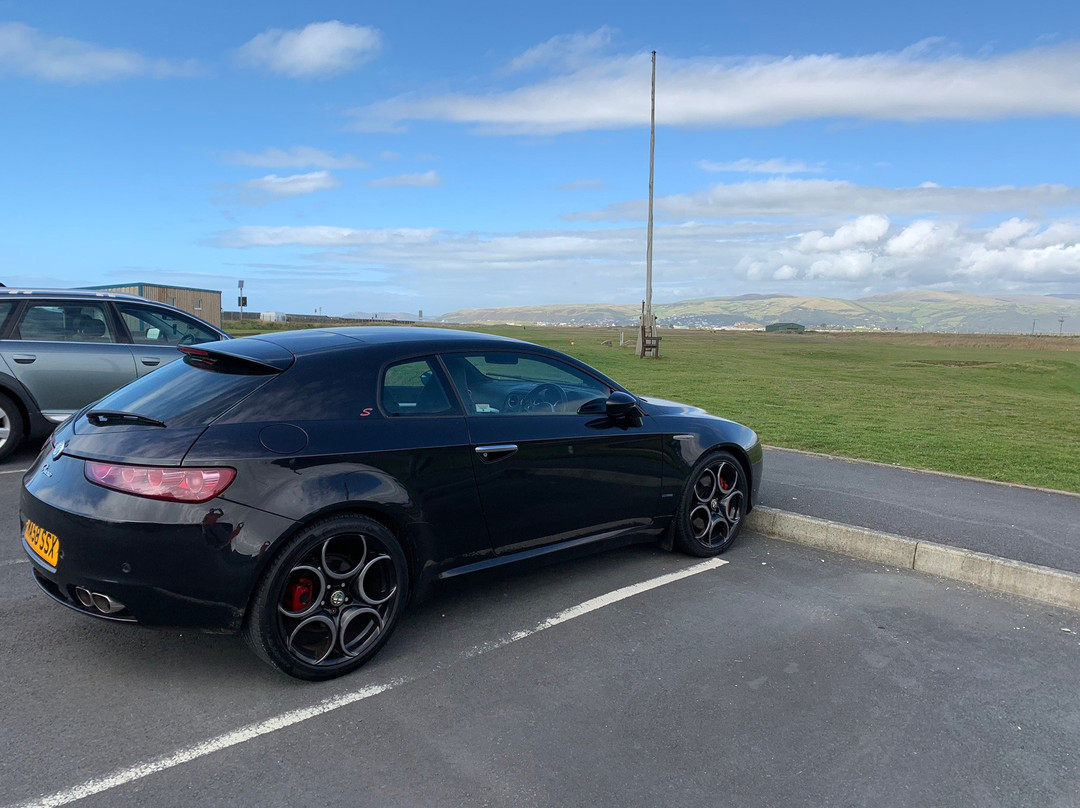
{"x":154,"y":285}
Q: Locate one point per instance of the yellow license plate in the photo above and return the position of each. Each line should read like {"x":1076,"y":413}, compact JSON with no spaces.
{"x":42,"y":542}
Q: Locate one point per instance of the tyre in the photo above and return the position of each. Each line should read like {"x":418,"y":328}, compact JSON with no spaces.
{"x":712,"y":505}
{"x":330,"y":598}
{"x":11,"y":426}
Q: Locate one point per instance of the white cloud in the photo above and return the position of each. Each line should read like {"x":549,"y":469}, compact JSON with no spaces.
{"x":294,"y":185}
{"x":913,"y":85}
{"x":426,"y":180}
{"x":1009,"y":231}
{"x":1056,"y":232}
{"x":785,"y":197}
{"x":319,"y":236}
{"x":691,"y":259}
{"x":318,"y":49}
{"x":864,"y":230}
{"x":296,"y":157}
{"x":588,"y":184}
{"x":776,"y":165}
{"x":25,"y":51}
{"x":849,"y":266}
{"x":564,"y":51}
{"x":922,"y":238}
{"x":271,"y":188}
{"x":1060,"y":262}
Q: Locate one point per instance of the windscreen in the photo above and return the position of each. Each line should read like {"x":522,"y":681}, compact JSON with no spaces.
{"x":187,"y":392}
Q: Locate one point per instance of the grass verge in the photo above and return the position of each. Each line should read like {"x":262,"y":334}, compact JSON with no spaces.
{"x":999,"y":407}
{"x":1002,"y":408}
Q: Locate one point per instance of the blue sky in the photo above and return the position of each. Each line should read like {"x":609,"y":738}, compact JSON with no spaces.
{"x":437,"y":156}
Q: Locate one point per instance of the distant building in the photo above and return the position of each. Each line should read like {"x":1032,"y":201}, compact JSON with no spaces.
{"x":273,"y":317}
{"x":786,"y":327}
{"x":203,"y":303}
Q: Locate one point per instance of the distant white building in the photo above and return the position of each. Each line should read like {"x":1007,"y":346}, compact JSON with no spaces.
{"x":273,"y":317}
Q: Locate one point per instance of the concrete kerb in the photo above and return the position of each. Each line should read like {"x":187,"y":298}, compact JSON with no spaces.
{"x":992,"y":572}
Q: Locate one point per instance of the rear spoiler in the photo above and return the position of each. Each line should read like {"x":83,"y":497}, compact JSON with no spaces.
{"x":239,"y":356}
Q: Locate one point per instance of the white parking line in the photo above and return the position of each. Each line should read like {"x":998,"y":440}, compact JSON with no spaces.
{"x":15,"y":471}
{"x":14,"y":562}
{"x":189,"y":753}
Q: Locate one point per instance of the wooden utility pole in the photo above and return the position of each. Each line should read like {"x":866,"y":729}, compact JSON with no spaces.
{"x":648,"y":342}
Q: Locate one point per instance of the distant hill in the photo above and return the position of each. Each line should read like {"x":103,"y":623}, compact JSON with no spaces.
{"x":925,"y":310}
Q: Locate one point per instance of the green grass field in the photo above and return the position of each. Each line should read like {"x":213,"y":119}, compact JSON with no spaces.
{"x":999,"y":407}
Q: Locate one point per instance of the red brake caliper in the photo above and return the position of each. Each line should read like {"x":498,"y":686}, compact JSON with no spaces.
{"x":298,"y":595}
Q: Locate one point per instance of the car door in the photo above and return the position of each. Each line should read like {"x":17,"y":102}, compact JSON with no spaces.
{"x":156,"y":333}
{"x":550,"y":467}
{"x":65,"y":353}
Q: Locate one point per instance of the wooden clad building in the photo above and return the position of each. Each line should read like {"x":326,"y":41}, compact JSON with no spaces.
{"x":203,"y":303}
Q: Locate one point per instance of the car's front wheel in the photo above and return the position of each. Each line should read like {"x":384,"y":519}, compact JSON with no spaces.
{"x":712,"y":505}
{"x":11,"y":426}
{"x":330,"y":598}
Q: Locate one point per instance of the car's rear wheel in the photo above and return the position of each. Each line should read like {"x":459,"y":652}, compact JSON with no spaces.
{"x":11,"y":426}
{"x":712,"y":506}
{"x":330,"y":599}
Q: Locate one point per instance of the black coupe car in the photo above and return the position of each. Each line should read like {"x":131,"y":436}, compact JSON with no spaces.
{"x":298,"y":487}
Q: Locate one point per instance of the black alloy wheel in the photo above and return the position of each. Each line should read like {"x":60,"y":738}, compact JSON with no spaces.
{"x":330,"y":599}
{"x":712,"y":506}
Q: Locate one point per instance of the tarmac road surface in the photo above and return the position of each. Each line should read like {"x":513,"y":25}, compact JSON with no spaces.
{"x":783,"y":677}
{"x":1040,"y":527}
{"x":786,"y":677}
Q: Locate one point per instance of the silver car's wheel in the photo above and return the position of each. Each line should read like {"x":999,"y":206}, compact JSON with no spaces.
{"x":11,"y":426}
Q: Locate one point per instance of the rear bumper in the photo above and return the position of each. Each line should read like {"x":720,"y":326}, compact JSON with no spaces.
{"x":169,"y":564}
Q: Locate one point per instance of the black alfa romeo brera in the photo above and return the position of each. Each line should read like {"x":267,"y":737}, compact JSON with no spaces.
{"x":299,"y":487}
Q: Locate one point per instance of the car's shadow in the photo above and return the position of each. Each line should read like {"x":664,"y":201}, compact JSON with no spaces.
{"x":452,"y":622}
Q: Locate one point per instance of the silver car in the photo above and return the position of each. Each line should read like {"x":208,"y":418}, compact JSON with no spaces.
{"x":61,"y":350}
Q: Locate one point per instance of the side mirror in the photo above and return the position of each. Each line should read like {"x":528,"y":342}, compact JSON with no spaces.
{"x":620,"y":405}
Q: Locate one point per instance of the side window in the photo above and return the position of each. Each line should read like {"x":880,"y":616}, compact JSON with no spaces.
{"x":414,"y":388}
{"x":521,"y":384}
{"x":65,"y":322}
{"x":150,"y":326}
{"x":6,"y":307}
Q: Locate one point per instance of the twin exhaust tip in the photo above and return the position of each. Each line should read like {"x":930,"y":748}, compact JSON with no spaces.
{"x":95,"y":600}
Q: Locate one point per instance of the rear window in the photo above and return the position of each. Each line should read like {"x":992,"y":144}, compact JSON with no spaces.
{"x":6,"y":307}
{"x":187,"y":392}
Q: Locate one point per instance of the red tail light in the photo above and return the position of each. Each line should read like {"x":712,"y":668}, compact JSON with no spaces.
{"x":169,"y":483}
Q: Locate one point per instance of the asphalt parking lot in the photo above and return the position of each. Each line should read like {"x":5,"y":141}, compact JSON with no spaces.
{"x":785,"y":677}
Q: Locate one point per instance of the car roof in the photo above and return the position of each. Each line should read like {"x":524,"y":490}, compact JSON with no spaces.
{"x":316,"y":340}
{"x":74,"y":294}
{"x":277,"y":349}
{"x":83,"y":294}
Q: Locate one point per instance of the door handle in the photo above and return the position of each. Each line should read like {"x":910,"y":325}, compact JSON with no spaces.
{"x":498,"y":451}
{"x":151,"y":361}
{"x":24,"y":358}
